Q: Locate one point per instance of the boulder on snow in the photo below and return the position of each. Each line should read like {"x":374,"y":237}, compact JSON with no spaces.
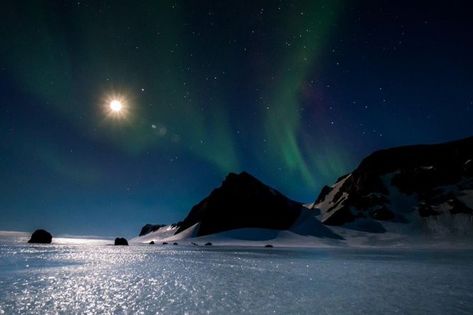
{"x":41,"y":237}
{"x":208,"y":244}
{"x":268,"y":246}
{"x":121,"y":241}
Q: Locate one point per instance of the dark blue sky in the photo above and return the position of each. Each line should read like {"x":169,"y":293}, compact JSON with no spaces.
{"x":294,"y":92}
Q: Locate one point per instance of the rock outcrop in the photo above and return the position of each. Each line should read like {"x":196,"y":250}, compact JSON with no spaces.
{"x":121,"y":241}
{"x":41,"y":237}
{"x":148,"y":228}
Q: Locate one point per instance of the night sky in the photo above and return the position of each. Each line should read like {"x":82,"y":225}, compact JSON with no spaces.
{"x":294,"y":92}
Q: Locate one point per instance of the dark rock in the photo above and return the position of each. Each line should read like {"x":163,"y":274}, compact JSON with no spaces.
{"x":41,"y":237}
{"x":466,"y":184}
{"x":426,"y":210}
{"x":175,"y":243}
{"x":242,"y":201}
{"x":451,"y":154}
{"x":382,"y":213}
{"x":148,"y":228}
{"x":323,"y":193}
{"x":371,"y":200}
{"x":151,"y":243}
{"x":339,"y":217}
{"x":195,"y":244}
{"x":268,"y":246}
{"x":421,"y":180}
{"x":468,"y":167}
{"x":176,"y":224}
{"x":437,"y":196}
{"x":165,"y":243}
{"x":459,"y":207}
{"x":121,"y":241}
{"x":399,"y":218}
{"x":208,"y":244}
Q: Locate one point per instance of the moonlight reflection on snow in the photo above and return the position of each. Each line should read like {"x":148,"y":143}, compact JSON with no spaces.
{"x":100,"y":278}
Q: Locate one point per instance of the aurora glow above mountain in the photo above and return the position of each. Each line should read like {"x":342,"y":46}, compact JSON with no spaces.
{"x":294,"y":92}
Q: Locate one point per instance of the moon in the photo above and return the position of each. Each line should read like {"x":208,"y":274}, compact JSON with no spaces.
{"x":116,"y":106}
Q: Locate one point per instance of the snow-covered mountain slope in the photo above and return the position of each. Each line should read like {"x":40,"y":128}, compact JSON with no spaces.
{"x":425,"y":188}
{"x":306,"y":230}
{"x":167,"y":234}
{"x":164,"y":232}
{"x":257,"y":237}
{"x":148,"y":228}
{"x":248,"y":237}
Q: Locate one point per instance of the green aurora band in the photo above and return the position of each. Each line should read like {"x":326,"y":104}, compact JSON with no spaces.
{"x":168,"y":113}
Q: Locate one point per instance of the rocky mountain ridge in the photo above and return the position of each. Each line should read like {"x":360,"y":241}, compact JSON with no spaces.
{"x":434,"y":179}
{"x":398,"y":185}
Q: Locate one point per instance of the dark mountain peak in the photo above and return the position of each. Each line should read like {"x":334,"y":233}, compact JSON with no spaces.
{"x":242,"y":178}
{"x":243,"y":182}
{"x":242,"y":201}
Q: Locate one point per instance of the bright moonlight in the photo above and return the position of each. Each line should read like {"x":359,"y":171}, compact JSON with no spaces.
{"x":116,"y":106}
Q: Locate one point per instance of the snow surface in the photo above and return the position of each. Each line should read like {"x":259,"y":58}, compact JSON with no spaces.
{"x":349,"y":237}
{"x":88,"y":278}
{"x":17,"y":237}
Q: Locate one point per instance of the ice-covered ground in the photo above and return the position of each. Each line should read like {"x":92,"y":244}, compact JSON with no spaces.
{"x":95,"y":278}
